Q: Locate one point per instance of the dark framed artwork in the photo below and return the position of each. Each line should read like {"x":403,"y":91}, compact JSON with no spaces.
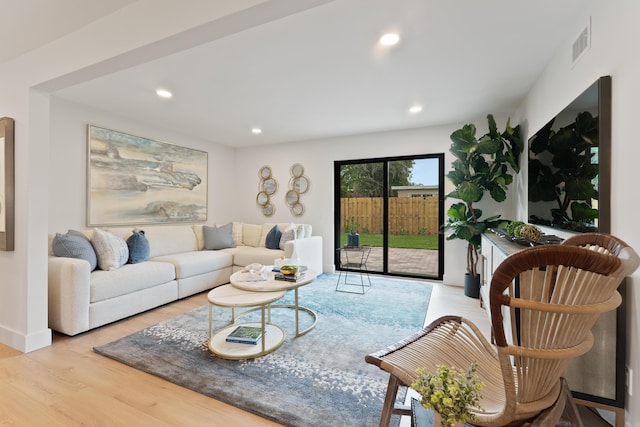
{"x":136,"y":180}
{"x":7,"y":184}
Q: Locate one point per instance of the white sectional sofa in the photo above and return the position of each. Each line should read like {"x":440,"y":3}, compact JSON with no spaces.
{"x":178,"y":266}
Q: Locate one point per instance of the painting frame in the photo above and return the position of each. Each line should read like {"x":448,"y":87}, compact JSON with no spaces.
{"x":7,"y":184}
{"x":133,"y":180}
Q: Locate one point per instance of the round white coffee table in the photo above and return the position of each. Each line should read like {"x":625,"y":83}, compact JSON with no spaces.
{"x":232,"y":297}
{"x":271,"y":284}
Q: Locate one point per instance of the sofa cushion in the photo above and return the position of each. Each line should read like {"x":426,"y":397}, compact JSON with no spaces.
{"x":189,"y":264}
{"x":138,"y":247}
{"x":245,"y":255}
{"x":273,"y":238}
{"x":165,"y":240}
{"x":251,"y":234}
{"x":218,"y":237}
{"x":111,"y":250}
{"x":129,"y":278}
{"x":237,"y":233}
{"x":74,"y":244}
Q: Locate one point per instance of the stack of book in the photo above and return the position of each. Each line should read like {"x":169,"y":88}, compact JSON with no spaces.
{"x":289,"y":277}
{"x":246,"y":335}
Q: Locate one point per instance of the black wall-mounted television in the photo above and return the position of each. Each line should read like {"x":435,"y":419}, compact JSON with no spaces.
{"x":574,"y":149}
{"x":569,"y":164}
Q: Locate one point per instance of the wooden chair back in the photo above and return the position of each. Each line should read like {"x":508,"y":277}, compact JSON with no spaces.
{"x":553,"y":296}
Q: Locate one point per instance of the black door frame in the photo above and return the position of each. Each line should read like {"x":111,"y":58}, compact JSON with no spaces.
{"x":385,"y":214}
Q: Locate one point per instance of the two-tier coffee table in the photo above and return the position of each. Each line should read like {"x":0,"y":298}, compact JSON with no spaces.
{"x":271,"y":284}
{"x":231,"y":297}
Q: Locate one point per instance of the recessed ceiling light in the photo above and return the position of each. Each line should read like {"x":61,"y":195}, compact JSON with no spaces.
{"x":256,"y":130}
{"x":389,"y":39}
{"x":415,"y":109}
{"x":163,"y":93}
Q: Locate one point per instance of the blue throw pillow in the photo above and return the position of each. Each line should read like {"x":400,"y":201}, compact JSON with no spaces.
{"x":218,"y":237}
{"x":273,"y":238}
{"x":138,"y":247}
{"x":74,"y":244}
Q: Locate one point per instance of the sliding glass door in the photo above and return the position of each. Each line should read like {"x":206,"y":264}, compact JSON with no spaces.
{"x":394,"y":205}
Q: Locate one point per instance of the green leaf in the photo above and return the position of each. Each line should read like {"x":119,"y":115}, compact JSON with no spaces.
{"x":470,"y":192}
{"x":580,"y":189}
{"x":498,"y":194}
{"x":583,"y":212}
{"x":464,"y":139}
{"x":489,"y":146}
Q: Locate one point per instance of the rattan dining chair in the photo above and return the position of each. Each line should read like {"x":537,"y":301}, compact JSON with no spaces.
{"x":551,"y":296}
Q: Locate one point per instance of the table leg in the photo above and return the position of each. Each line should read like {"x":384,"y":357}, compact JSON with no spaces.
{"x":210,"y":321}
{"x":264,"y":339}
{"x":297,"y":317}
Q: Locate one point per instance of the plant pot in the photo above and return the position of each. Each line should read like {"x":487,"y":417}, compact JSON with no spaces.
{"x":353,"y":239}
{"x":472,"y":285}
{"x":437,"y":420}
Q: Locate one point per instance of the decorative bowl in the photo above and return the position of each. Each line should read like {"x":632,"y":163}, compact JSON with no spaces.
{"x":289,"y":269}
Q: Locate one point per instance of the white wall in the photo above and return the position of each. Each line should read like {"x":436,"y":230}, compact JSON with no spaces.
{"x":68,"y":163}
{"x":317,"y":157}
{"x":25,"y":83}
{"x":612,"y":53}
{"x":233,"y":174}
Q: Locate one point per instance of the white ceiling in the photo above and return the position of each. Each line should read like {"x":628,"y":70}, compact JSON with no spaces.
{"x":320,"y":73}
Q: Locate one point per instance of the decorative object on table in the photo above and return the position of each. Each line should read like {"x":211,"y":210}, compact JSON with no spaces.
{"x":135,"y":180}
{"x":289,"y":269}
{"x":449,"y":392}
{"x":353,"y":237}
{"x":7,"y":184}
{"x":481,"y":165}
{"x":267,"y":187}
{"x":326,"y":364}
{"x":298,"y":185}
{"x":526,"y":234}
{"x":253,"y":273}
{"x":245,"y":335}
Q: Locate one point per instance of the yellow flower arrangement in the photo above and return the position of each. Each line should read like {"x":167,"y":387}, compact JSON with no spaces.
{"x":450,"y":392}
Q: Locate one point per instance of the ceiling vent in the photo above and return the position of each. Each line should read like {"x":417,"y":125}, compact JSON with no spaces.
{"x":582,"y":44}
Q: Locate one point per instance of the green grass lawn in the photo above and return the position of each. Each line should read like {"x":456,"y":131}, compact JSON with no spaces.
{"x":398,"y":241}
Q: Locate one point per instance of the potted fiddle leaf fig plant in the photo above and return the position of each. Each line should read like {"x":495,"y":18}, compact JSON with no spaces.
{"x":482,"y":165}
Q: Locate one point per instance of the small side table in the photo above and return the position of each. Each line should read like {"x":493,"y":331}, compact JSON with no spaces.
{"x":353,"y":258}
{"x":230,"y":297}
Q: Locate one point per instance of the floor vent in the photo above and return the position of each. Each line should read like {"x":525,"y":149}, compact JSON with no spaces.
{"x":582,"y":43}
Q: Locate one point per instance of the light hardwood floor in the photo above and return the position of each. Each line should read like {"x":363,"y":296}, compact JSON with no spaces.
{"x":67,"y":384}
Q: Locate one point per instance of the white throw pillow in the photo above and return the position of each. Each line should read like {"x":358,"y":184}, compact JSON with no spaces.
{"x":236,"y":232}
{"x":112,"y":251}
{"x":251,"y":234}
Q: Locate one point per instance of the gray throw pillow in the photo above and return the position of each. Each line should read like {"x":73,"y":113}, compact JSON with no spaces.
{"x":287,"y":235}
{"x":218,"y":237}
{"x":74,"y":244}
{"x":273,"y":238}
{"x":138,"y":247}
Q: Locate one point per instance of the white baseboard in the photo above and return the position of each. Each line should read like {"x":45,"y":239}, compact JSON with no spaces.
{"x":25,"y":343}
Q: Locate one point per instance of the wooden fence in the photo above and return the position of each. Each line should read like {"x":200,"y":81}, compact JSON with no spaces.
{"x":407,"y":215}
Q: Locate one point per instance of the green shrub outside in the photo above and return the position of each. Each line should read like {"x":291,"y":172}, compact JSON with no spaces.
{"x":405,"y":241}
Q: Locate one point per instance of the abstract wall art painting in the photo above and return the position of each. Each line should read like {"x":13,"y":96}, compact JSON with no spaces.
{"x":135,"y":180}
{"x":7,"y":185}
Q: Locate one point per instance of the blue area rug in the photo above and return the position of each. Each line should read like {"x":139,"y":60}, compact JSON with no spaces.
{"x":318,"y":379}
